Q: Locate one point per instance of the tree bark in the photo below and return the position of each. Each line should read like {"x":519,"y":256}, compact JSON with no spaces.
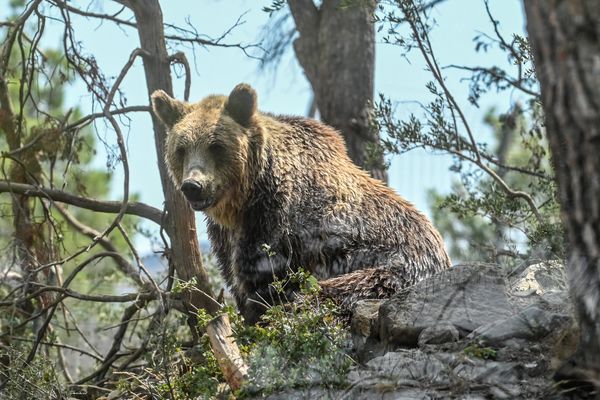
{"x":179,"y":224}
{"x":336,"y":49}
{"x":565,"y":37}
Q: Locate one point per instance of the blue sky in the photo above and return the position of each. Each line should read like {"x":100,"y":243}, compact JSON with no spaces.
{"x":218,"y":70}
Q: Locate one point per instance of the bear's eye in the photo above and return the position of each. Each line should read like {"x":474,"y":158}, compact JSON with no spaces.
{"x":180,"y":152}
{"x":217,"y":150}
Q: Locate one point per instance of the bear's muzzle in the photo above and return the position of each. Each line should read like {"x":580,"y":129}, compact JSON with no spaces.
{"x":196,"y":195}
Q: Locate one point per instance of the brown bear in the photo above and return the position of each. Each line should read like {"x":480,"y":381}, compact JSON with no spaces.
{"x":281,"y":193}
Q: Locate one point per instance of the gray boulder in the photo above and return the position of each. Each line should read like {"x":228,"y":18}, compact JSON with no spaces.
{"x":466,"y":297}
{"x":531,"y":324}
{"x":438,"y":334}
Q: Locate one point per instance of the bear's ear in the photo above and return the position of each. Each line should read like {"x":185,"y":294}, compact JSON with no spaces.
{"x":241,"y":104}
{"x":166,"y":108}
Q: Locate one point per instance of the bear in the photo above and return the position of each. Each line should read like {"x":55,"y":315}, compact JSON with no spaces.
{"x":280,"y":193}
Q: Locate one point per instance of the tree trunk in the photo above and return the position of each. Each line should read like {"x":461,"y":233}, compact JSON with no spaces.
{"x":180,"y":223}
{"x":336,"y":49}
{"x":565,"y":36}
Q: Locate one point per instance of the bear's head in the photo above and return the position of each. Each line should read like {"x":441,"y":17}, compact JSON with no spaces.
{"x":208,"y":148}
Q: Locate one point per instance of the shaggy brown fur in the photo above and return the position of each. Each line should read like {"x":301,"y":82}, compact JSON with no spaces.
{"x":280,"y":193}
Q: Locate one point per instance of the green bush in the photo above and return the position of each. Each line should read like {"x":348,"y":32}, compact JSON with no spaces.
{"x":303,"y":343}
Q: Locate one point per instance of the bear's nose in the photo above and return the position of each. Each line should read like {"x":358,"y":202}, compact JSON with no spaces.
{"x":192,"y":190}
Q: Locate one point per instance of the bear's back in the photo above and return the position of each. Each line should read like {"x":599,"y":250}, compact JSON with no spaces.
{"x":339,"y":217}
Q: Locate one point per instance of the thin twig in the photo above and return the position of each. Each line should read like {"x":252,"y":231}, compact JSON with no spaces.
{"x":517,"y":84}
{"x":105,"y":242}
{"x":193,"y":37}
{"x":61,"y":345}
{"x":89,"y":118}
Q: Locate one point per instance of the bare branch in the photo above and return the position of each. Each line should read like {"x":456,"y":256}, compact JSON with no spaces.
{"x":133,"y":208}
{"x":89,"y":118}
{"x":123,"y":265}
{"x":180,"y":58}
{"x":119,"y":21}
{"x":226,"y":351}
{"x":516,"y":83}
{"x":141,"y":264}
{"x":61,"y":345}
{"x":103,"y":298}
{"x":51,"y":309}
{"x":12,"y":35}
{"x":112,"y":354}
{"x":187,"y":37}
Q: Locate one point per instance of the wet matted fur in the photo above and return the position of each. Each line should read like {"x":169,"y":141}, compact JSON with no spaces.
{"x":281,"y":193}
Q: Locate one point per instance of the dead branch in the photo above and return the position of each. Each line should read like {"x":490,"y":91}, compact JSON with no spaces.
{"x":155,"y":324}
{"x":89,"y":118}
{"x":226,"y":351}
{"x":61,"y":345}
{"x":105,"y":206}
{"x":112,"y":354}
{"x":185,"y":36}
{"x":180,"y":58}
{"x":180,"y":226}
{"x":105,"y":242}
{"x":120,"y":140}
{"x":104,"y":298}
{"x":51,"y":309}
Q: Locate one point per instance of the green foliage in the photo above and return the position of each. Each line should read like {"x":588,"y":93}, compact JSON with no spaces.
{"x":184,"y":286}
{"x":299,"y":344}
{"x":480,"y":221}
{"x":503,"y":200}
{"x":201,"y":378}
{"x":172,"y":372}
{"x":485,"y":353}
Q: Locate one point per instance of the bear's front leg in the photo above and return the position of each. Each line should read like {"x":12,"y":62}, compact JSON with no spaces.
{"x":255,"y":288}
{"x":254,"y":306}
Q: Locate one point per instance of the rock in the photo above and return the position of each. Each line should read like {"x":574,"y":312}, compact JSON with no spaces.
{"x":531,"y":324}
{"x":542,"y":284}
{"x":365,"y":316}
{"x":501,"y":379}
{"x":540,"y":278}
{"x":408,"y":367}
{"x":412,"y":372}
{"x":465,"y":296}
{"x":364,"y":328}
{"x":438,"y":334}
{"x":489,"y":372}
{"x":366,"y":349}
{"x":519,"y":321}
{"x":301,"y":394}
